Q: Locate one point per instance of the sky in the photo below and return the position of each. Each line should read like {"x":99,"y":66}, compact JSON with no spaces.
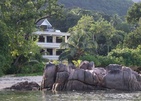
{"x":136,"y":0}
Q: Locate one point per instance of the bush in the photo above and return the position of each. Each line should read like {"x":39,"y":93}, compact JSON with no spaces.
{"x":100,"y":60}
{"x":5,"y":62}
{"x":91,"y":58}
{"x":1,"y":73}
{"x":128,"y":57}
{"x":32,"y":68}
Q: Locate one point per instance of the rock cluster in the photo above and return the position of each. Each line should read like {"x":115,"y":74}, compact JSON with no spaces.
{"x":24,"y":86}
{"x":88,"y":77}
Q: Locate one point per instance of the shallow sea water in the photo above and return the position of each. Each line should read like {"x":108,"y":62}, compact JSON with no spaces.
{"x":69,"y":96}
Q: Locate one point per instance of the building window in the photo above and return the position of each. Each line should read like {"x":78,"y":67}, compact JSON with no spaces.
{"x":41,"y":39}
{"x":50,"y":51}
{"x":59,"y":39}
{"x":49,"y":39}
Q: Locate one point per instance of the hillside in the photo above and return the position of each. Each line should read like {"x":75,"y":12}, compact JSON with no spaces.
{"x":107,"y":6}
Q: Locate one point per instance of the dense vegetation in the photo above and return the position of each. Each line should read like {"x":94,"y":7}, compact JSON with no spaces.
{"x":18,"y":51}
{"x":105,"y":41}
{"x":95,"y":36}
{"x":119,"y":7}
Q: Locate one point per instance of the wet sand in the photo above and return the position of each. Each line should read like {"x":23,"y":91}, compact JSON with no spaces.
{"x":7,"y":81}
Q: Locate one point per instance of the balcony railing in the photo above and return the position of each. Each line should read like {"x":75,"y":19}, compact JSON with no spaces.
{"x":51,"y":33}
{"x":51,"y":57}
{"x":48,"y":45}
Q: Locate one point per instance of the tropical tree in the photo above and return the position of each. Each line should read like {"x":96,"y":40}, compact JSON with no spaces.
{"x":124,"y":26}
{"x":133,"y":39}
{"x":100,"y":36}
{"x":53,"y":9}
{"x":127,"y":56}
{"x":19,"y":17}
{"x":103,"y":34}
{"x":134,"y":13}
{"x":68,"y":20}
{"x":115,"y":20}
{"x":78,"y":45}
{"x":19,"y":23}
{"x":5,"y":56}
{"x":84,"y":23}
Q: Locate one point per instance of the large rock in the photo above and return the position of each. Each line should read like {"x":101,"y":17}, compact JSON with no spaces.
{"x":49,"y":76}
{"x":100,"y":72}
{"x":87,"y":65}
{"x":25,"y":86}
{"x":85,"y":76}
{"x":122,"y":78}
{"x":61,"y":78}
{"x":88,"y":77}
{"x":113,"y":67}
{"x":80,"y":79}
{"x":79,"y":86}
{"x":55,"y":77}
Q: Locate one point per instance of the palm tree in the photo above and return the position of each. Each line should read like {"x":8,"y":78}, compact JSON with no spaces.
{"x":79,"y":43}
{"x":115,"y":20}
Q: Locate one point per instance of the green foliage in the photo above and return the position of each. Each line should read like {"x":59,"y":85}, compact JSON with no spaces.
{"x":115,"y":20}
{"x":134,"y":13}
{"x":1,"y":72}
{"x":84,"y":23}
{"x":79,"y":43}
{"x":93,"y":58}
{"x":106,"y":36}
{"x":68,"y":20}
{"x":53,"y":9}
{"x":17,"y":22}
{"x":32,"y":68}
{"x":77,"y":63}
{"x":133,"y":39}
{"x":124,"y":26}
{"x":101,"y":61}
{"x":106,"y":6}
{"x":127,"y":57}
{"x":106,"y":33}
{"x":91,"y":37}
{"x":5,"y":56}
{"x":20,"y":22}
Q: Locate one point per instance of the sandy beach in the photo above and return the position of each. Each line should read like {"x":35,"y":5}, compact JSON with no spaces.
{"x":7,"y":81}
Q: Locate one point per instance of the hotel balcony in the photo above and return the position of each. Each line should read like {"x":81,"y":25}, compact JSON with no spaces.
{"x":47,"y":33}
{"x":51,"y":57}
{"x":49,"y":45}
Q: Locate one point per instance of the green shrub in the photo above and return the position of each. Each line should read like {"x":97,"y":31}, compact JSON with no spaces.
{"x":100,"y":60}
{"x":91,"y":58}
{"x":5,"y":63}
{"x":32,"y":68}
{"x":1,"y":73}
{"x":127,"y":57}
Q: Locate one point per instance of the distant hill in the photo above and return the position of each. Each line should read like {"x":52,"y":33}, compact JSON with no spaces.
{"x":107,"y":6}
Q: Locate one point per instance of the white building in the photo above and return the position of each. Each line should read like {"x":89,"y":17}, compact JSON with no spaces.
{"x":50,"y":39}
